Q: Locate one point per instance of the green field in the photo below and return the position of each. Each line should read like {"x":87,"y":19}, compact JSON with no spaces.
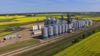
{"x":89,"y":17}
{"x":18,"y":45}
{"x":87,"y":47}
{"x":5,"y":33}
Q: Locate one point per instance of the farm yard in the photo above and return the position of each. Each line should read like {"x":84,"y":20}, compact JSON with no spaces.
{"x":87,"y":47}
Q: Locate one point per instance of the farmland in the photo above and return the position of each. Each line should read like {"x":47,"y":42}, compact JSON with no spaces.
{"x":7,"y":22}
{"x":89,"y":17}
{"x":5,"y":33}
{"x":18,"y":19}
{"x":88,"y":47}
{"x":17,"y":45}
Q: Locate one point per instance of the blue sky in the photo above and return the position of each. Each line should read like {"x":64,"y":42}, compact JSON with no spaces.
{"x":21,"y":6}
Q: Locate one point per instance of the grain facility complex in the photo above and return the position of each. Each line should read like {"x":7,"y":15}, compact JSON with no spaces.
{"x":56,"y":26}
{"x":53,"y":26}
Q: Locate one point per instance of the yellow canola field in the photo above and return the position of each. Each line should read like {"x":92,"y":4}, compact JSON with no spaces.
{"x":87,"y":47}
{"x":20,"y":19}
{"x":89,"y":17}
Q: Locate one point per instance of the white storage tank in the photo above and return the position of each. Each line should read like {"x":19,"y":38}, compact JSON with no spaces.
{"x":66,"y":27}
{"x":83,"y":23}
{"x":90,"y":22}
{"x":74,"y":25}
{"x":87,"y":23}
{"x":8,"y":37}
{"x":55,"y":29}
{"x":77,"y":25}
{"x":70,"y":26}
{"x":80,"y":24}
{"x":45,"y":32}
{"x":60,"y":29}
{"x":57,"y":21}
{"x":63,"y":28}
{"x":50,"y":30}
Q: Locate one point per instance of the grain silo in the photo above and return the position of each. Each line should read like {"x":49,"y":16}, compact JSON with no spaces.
{"x":87,"y":23}
{"x":63,"y":28}
{"x":50,"y":31}
{"x":45,"y":32}
{"x":90,"y":22}
{"x":66,"y":27}
{"x":55,"y":29}
{"x":60,"y":29}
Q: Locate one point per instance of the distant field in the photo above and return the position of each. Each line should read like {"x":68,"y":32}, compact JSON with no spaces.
{"x":6,"y":20}
{"x":87,"y":47}
{"x":90,"y":17}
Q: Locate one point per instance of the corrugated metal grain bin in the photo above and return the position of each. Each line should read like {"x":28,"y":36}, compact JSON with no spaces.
{"x":60,"y":29}
{"x":50,"y":30}
{"x":55,"y":29}
{"x":45,"y":32}
{"x":63,"y":28}
{"x":80,"y":23}
{"x":53,"y":21}
{"x":86,"y":22}
{"x":8,"y":37}
{"x":70,"y":26}
{"x":66,"y":27}
{"x":90,"y":22}
{"x":57,"y":21}
{"x":75,"y":25}
{"x":83,"y":23}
